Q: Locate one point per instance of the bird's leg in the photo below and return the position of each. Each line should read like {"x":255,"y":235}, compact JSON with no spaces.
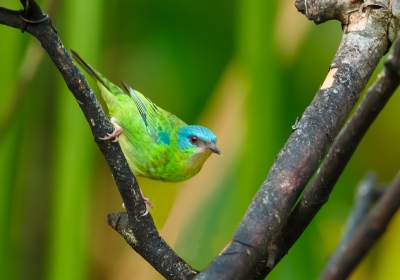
{"x":116,"y":133}
{"x":148,"y":204}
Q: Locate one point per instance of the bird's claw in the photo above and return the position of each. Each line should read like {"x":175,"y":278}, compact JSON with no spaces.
{"x":148,"y":204}
{"x":146,"y":201}
{"x":112,"y":136}
{"x":116,"y":133}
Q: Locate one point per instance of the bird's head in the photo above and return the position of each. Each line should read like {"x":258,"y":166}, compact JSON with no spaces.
{"x":197,"y":139}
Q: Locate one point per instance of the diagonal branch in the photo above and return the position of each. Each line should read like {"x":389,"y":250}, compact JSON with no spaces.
{"x":354,"y":62}
{"x":318,"y":191}
{"x":139,"y":231}
{"x":366,"y":234}
{"x":366,"y":195}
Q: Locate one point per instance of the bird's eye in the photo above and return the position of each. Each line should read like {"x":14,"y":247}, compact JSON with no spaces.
{"x":193,"y":139}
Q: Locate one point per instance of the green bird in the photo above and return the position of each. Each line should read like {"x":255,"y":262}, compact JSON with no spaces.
{"x":156,"y":144}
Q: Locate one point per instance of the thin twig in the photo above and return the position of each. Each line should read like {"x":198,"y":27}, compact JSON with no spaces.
{"x":366,"y":234}
{"x":365,"y":196}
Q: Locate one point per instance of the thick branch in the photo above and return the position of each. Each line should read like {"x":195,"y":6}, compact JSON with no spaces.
{"x":355,"y":61}
{"x":140,"y":231}
{"x":318,"y":191}
{"x":367,"y":233}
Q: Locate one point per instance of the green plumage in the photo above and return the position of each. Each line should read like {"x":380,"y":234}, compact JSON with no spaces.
{"x":156,"y":144}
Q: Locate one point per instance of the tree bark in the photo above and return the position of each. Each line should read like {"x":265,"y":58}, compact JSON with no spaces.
{"x":365,"y":40}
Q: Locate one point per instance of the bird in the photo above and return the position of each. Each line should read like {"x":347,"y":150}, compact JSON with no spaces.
{"x":156,"y":144}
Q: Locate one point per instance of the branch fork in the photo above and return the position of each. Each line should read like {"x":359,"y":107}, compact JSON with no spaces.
{"x":269,"y":227}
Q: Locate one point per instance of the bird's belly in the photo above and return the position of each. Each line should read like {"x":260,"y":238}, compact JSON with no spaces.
{"x":152,"y":162}
{"x":169,"y":173}
{"x":158,"y":163}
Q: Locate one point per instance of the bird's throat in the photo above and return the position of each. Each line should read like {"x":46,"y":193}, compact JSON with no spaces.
{"x":196,"y":161}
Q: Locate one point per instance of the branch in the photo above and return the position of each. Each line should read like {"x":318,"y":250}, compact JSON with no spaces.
{"x":366,"y":234}
{"x":354,"y":63}
{"x":139,"y":231}
{"x":365,"y":196}
{"x":318,"y":191}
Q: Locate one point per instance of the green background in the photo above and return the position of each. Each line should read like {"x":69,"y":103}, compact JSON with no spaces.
{"x":246,"y":69}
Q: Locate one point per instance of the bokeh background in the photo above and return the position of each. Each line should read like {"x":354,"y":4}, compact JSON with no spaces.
{"x":245,"y":69}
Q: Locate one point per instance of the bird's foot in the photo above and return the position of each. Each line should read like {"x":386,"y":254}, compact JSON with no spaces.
{"x":116,"y":133}
{"x":148,"y":204}
{"x":146,"y":201}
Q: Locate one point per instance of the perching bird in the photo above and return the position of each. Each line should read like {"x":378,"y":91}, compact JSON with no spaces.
{"x":156,"y":144}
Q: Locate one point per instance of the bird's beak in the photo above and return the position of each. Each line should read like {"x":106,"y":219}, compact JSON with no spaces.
{"x":214,"y":148}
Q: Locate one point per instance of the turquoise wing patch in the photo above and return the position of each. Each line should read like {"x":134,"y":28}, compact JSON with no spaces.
{"x":150,"y":116}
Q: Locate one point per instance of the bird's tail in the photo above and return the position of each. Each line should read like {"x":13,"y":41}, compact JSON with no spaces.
{"x":109,"y":91}
{"x":88,"y":68}
{"x":96,"y":75}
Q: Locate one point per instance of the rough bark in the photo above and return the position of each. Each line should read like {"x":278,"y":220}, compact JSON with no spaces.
{"x":365,"y":40}
{"x":318,"y":191}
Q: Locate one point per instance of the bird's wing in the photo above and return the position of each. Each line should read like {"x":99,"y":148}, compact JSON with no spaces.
{"x":158,"y":122}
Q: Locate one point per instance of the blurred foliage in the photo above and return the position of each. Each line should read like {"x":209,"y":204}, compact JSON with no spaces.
{"x":246,"y":69}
